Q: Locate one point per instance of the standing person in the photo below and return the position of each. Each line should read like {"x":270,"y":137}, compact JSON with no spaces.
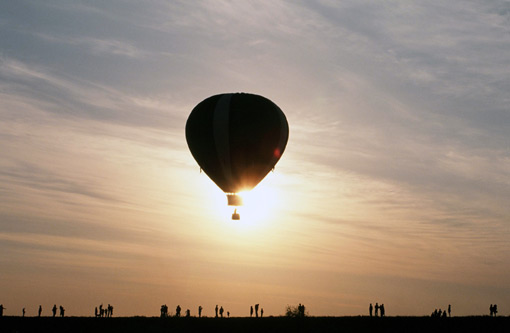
{"x":40,"y":310}
{"x":2,"y":310}
{"x":495,"y":309}
{"x":256,"y":310}
{"x":188,"y":313}
{"x":221,"y":312}
{"x":216,"y":311}
{"x":301,"y":310}
{"x":449,"y":310}
{"x":199,"y":311}
{"x":54,"y":310}
{"x":23,"y":312}
{"x":178,"y":311}
{"x":261,"y":312}
{"x":62,"y":310}
{"x":251,"y":311}
{"x":376,"y":309}
{"x":370,"y":308}
{"x":491,"y":309}
{"x":381,"y":308}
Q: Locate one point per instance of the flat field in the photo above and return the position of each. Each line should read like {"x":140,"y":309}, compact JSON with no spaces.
{"x":270,"y":324}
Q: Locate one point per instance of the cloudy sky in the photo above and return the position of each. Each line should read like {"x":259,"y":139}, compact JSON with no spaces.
{"x":394,"y":187}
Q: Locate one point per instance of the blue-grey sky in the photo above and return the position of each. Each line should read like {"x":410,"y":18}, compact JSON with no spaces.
{"x":394,"y":187}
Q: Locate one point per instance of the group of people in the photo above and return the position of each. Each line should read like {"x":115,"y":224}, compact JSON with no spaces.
{"x":178,"y":311}
{"x":54,"y":310}
{"x":256,"y":311}
{"x":218,"y":311}
{"x":442,"y":314}
{"x":164,"y":311}
{"x":102,"y":312}
{"x":378,"y":309}
{"x":493,"y":310}
{"x":221,"y":311}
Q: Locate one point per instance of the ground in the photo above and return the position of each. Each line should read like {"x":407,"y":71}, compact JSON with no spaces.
{"x":270,"y":324}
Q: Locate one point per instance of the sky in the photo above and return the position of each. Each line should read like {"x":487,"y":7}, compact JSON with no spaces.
{"x":394,"y":186}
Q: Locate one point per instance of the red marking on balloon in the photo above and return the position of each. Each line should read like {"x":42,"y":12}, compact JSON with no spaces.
{"x":277,"y":153}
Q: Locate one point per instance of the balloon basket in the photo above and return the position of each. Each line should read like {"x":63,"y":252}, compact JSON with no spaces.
{"x":234,"y":200}
{"x":235,"y":215}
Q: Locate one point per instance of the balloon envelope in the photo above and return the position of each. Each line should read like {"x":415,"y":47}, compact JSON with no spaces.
{"x":237,"y":139}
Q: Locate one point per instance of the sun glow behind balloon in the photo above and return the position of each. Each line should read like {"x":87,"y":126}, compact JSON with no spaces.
{"x":260,"y":206}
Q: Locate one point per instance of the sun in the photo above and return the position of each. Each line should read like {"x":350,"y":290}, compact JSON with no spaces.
{"x":259,"y":207}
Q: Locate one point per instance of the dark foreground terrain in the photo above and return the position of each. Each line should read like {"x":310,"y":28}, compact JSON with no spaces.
{"x":271,"y":324}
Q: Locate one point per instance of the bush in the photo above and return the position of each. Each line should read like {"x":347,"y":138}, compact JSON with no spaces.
{"x":296,"y":311}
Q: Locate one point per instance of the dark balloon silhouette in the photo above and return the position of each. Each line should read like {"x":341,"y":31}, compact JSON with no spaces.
{"x":236,"y":139}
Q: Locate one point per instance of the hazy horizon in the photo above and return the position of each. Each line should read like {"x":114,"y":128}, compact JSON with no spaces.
{"x":394,"y":186}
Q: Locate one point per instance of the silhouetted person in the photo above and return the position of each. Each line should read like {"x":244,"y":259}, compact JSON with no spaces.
{"x":381,"y":308}
{"x":495,"y":309}
{"x":370,"y":308}
{"x":199,"y":311}
{"x":216,"y":311}
{"x":164,"y":311}
{"x":376,"y":309}
{"x":54,"y":310}
{"x":256,"y":310}
{"x":221,"y":312}
{"x":178,"y":311}
{"x":40,"y":310}
{"x":261,"y":312}
{"x":251,"y":311}
{"x":188,"y":314}
{"x":101,"y":310}
{"x":228,"y":314}
{"x":23,"y":311}
{"x":110,"y":309}
{"x":449,"y":310}
{"x":62,"y":310}
{"x":95,"y":312}
{"x":301,"y":310}
{"x":2,"y":310}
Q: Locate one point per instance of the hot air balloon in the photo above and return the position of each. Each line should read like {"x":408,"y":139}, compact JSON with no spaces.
{"x":236,"y":139}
